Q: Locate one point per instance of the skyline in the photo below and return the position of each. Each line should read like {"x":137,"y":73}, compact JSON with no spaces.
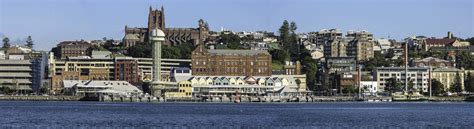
{"x":52,"y":21}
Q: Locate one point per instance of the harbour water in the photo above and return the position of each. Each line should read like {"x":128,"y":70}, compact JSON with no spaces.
{"x":76,"y":114}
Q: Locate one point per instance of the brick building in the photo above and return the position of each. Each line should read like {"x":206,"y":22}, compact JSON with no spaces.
{"x":73,"y":48}
{"x":230,"y":62}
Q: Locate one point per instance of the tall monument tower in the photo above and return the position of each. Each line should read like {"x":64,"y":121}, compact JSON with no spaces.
{"x":157,"y":37}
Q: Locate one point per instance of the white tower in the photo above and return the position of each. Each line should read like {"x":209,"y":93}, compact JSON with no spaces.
{"x":157,"y":37}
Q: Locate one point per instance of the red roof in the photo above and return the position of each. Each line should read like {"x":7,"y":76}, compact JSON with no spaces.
{"x":440,"y":41}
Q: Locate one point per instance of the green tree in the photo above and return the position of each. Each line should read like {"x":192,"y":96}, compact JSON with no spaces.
{"x":142,"y":50}
{"x":456,"y":86}
{"x":392,"y":85}
{"x":471,"y":40}
{"x":437,"y":87}
{"x":6,"y":43}
{"x":284,"y":33}
{"x":411,"y":86}
{"x":279,"y":55}
{"x":231,"y":40}
{"x":29,"y":42}
{"x":469,"y":83}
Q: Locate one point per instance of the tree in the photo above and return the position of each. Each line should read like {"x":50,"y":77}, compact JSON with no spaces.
{"x":471,"y":40}
{"x":392,"y":85}
{"x":437,"y":87}
{"x":284,"y":33}
{"x":456,"y":87}
{"x":6,"y":43}
{"x":411,"y":86}
{"x":279,"y":55}
{"x":29,"y":42}
{"x":143,"y":50}
{"x":469,"y":83}
{"x":231,"y":40}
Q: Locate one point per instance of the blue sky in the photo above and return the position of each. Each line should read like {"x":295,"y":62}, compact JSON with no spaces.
{"x":52,"y":21}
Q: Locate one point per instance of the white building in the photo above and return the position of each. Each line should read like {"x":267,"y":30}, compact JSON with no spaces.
{"x":284,"y":85}
{"x":418,"y":75}
{"x":369,"y":87}
{"x":83,"y":87}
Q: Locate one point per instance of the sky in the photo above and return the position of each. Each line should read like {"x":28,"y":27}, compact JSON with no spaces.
{"x":52,"y":21}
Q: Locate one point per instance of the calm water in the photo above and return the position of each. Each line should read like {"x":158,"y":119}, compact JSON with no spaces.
{"x":211,"y":115}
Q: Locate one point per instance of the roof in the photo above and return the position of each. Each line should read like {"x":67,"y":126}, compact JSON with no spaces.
{"x":66,"y":43}
{"x":132,"y":36}
{"x":237,"y":52}
{"x":440,"y":41}
{"x":118,"y":86}
{"x":428,"y":59}
{"x":446,"y":69}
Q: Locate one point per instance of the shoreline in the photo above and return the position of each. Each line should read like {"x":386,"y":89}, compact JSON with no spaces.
{"x":313,"y":99}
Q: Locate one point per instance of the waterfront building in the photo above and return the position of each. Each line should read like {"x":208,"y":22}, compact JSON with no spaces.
{"x":174,"y":36}
{"x":24,"y":75}
{"x":184,"y":90}
{"x":87,"y":68}
{"x":418,"y":75}
{"x":284,"y":85}
{"x":126,"y":69}
{"x":73,"y":49}
{"x":448,"y":77}
{"x":100,"y":87}
{"x":16,"y":75}
{"x":213,"y":62}
{"x":433,"y":62}
{"x":369,"y":87}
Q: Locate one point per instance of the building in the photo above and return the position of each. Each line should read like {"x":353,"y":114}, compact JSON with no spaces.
{"x":369,"y":87}
{"x":174,"y":36}
{"x":336,"y":48}
{"x":383,"y":44}
{"x":418,"y":75}
{"x":17,"y":75}
{"x":361,"y":48}
{"x":353,"y":35}
{"x":184,"y":90}
{"x":24,"y":75}
{"x":292,"y":68}
{"x":325,"y":36}
{"x":447,"y":77}
{"x":126,"y":69}
{"x":87,"y":68}
{"x":73,"y":49}
{"x":341,"y":64}
{"x":95,"y":87}
{"x":214,"y":62}
{"x":432,"y":62}
{"x":284,"y":85}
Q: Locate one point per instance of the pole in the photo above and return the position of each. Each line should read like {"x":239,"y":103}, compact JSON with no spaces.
{"x":358,"y":79}
{"x":406,"y":67}
{"x":431,"y":88}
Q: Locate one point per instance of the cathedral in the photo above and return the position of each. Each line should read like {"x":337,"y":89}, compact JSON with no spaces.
{"x":174,"y":36}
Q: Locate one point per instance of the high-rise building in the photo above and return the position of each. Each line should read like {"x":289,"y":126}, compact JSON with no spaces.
{"x":362,"y":49}
{"x":353,"y":35}
{"x":325,"y":36}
